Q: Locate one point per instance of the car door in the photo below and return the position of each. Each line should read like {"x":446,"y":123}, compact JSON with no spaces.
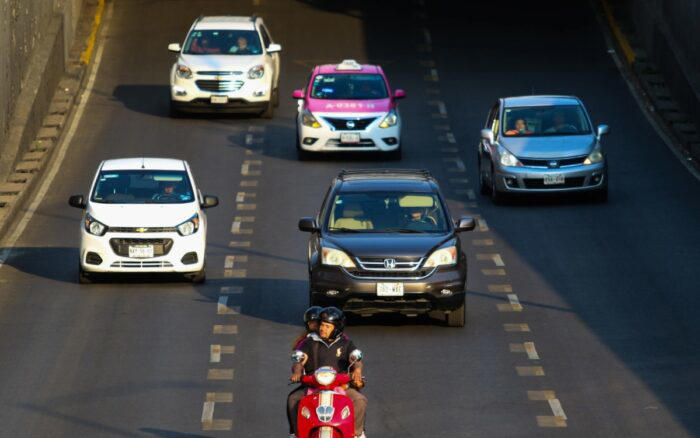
{"x":267,"y":40}
{"x":485,"y":148}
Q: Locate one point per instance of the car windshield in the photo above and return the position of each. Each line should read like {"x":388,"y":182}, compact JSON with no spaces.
{"x":223,"y":42}
{"x":349,"y":86}
{"x":545,"y":121}
{"x":142,"y":187}
{"x":387,"y":212}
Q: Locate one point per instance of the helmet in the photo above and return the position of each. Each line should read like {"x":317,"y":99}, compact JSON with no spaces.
{"x":313,"y":313}
{"x":335,"y":316}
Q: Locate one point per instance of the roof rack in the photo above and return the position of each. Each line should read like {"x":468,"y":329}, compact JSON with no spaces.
{"x":416,"y":173}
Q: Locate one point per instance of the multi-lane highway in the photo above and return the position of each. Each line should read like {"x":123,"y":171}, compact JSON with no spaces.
{"x":582,"y":317}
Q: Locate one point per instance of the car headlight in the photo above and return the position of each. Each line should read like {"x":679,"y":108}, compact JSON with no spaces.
{"x":596,"y":156}
{"x":442,"y":257}
{"x":336,"y":257}
{"x":256,"y":72}
{"x":308,"y":119}
{"x":325,"y":376}
{"x":190,"y":226}
{"x":183,"y":71}
{"x":390,"y":119}
{"x":95,"y":227}
{"x":508,"y":159}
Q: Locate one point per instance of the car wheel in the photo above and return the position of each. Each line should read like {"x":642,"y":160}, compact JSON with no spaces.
{"x":276,"y":97}
{"x":269,"y":110}
{"x":83,"y":277}
{"x":302,"y":155}
{"x":457,"y":317}
{"x":497,"y":196}
{"x":484,"y":188}
{"x":200,"y":276}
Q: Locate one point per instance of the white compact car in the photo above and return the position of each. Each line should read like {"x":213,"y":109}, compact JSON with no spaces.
{"x":227,"y":64}
{"x":143,"y":215}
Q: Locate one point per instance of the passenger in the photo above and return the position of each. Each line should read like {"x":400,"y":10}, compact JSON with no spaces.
{"x":241,"y":47}
{"x":167,"y":191}
{"x":519,"y":128}
{"x":560,"y":125}
{"x":312,"y":316}
{"x":208,"y":47}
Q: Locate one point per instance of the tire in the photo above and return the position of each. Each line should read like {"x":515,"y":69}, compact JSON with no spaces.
{"x":497,"y":196}
{"x":276,"y":97}
{"x":200,"y":276}
{"x":175,"y":113}
{"x":84,"y":277}
{"x":457,"y":317}
{"x":269,"y":110}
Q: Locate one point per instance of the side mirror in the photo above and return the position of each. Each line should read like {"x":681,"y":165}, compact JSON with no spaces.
{"x":487,"y":135}
{"x":298,"y":356}
{"x":274,"y":48}
{"x":602,"y":130}
{"x":209,"y":201}
{"x":77,"y":201}
{"x":174,"y":47}
{"x":399,"y":94}
{"x":308,"y":224}
{"x":355,"y":356}
{"x":465,"y":223}
{"x":298,"y":94}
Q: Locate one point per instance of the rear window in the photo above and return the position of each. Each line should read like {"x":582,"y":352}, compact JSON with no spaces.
{"x":349,"y":86}
{"x":143,"y":187}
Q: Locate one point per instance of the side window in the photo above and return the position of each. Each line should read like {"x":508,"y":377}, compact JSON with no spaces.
{"x":322,"y":211}
{"x":495,"y":120}
{"x":265,"y":36}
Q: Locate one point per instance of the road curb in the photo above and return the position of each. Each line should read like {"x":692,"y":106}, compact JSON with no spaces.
{"x":32,"y":162}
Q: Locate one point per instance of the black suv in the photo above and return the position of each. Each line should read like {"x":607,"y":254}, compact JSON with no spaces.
{"x":384,"y":241}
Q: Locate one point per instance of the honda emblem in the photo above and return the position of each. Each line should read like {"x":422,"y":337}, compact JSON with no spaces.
{"x":390,"y":263}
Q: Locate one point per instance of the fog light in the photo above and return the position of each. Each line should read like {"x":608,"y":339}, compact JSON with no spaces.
{"x":259,"y":93}
{"x":179,"y":91}
{"x":390,"y":140}
{"x":332,"y":293}
{"x":511,"y":182}
{"x":446,"y":292}
{"x":189,"y":259}
{"x":92,"y":258}
{"x":309,"y":140}
{"x":595,"y":178}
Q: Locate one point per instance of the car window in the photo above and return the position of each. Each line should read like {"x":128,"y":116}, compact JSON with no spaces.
{"x":545,"y":120}
{"x":349,"y":86}
{"x":223,"y":42}
{"x":386,"y":212}
{"x":142,"y":187}
{"x":495,"y":120}
{"x":266,"y":36}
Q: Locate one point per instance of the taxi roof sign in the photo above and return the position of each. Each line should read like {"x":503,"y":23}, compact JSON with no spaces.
{"x":348,"y":64}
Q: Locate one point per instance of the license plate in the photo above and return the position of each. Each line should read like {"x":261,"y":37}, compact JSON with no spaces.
{"x":349,"y":137}
{"x":219,"y":99}
{"x":555,"y":178}
{"x":141,"y":251}
{"x":389,"y":289}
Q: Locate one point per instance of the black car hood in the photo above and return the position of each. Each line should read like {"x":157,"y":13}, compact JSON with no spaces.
{"x":388,"y":245}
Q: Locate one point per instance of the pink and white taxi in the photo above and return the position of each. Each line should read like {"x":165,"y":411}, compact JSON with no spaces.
{"x":348,"y":107}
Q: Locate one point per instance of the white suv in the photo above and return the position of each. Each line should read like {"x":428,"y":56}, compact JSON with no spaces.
{"x":226,"y":64}
{"x":143,"y":215}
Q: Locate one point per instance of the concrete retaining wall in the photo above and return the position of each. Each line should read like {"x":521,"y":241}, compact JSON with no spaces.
{"x":668,"y":30}
{"x":27,"y":26}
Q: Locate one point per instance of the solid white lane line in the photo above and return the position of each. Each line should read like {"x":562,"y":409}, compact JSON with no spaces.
{"x":48,"y":178}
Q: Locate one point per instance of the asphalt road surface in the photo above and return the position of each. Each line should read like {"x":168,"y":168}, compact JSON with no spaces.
{"x":582,"y":317}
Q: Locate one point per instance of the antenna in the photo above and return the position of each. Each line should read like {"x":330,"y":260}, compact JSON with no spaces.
{"x":143,"y":163}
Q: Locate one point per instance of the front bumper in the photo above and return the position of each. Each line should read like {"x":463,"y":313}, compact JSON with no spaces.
{"x":531,"y":180}
{"x":359,"y":295}
{"x":180,"y":250}
{"x":327,"y":139}
{"x":252,"y":96}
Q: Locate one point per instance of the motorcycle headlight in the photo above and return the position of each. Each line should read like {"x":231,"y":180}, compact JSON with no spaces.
{"x":256,"y":72}
{"x":442,"y":257}
{"x":336,"y":257}
{"x":308,"y":119}
{"x":390,"y":119}
{"x":594,"y":157}
{"x":190,"y":226}
{"x":183,"y":71}
{"x":325,"y":376}
{"x":95,"y":227}
{"x":508,"y":159}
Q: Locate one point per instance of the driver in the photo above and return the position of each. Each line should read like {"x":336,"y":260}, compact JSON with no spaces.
{"x":330,"y":347}
{"x":167,"y":191}
{"x":241,"y":47}
{"x":419,"y":220}
{"x":560,"y":124}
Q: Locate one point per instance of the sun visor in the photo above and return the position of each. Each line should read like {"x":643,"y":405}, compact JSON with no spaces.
{"x":416,"y":201}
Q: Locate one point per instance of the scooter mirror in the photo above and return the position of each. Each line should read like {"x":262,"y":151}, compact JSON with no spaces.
{"x":298,"y":356}
{"x":355,"y":356}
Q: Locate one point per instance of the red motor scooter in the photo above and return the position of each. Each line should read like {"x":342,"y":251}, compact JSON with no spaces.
{"x":326,"y":411}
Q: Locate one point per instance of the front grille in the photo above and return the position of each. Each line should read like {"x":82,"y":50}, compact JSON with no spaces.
{"x":216,"y":86}
{"x":420,"y":304}
{"x":219,"y":73}
{"x":538,"y":183}
{"x":385,"y":275}
{"x":401,"y":263}
{"x":365,"y":142}
{"x":544,"y":163}
{"x":358,"y":124}
{"x":142,"y":229}
{"x":161,"y":247}
{"x":144,"y":264}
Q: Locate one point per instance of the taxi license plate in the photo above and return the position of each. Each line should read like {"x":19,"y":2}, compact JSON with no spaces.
{"x":389,"y":289}
{"x":219,"y":99}
{"x":141,"y":251}
{"x":553,"y":179}
{"x":349,"y":137}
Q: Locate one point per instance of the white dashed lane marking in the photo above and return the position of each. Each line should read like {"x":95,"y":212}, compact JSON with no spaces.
{"x":231,"y":290}
{"x":442,"y":109}
{"x":525,"y":347}
{"x":504,"y":288}
{"x":512,"y":306}
{"x":225,"y":329}
{"x":249,"y":183}
{"x":495,"y":258}
{"x":482,"y":242}
{"x":220,"y":374}
{"x":459,"y":165}
{"x":432,"y":76}
{"x":521,"y":327}
{"x":239,"y":244}
{"x":222,"y":307}
{"x":534,"y":371}
{"x":493,"y":272}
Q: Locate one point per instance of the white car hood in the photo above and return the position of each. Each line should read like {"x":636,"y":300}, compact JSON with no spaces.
{"x":241,"y":63}
{"x":142,"y":215}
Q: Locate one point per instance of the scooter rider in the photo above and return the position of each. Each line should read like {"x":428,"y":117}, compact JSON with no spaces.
{"x":312,"y":317}
{"x":330,"y":347}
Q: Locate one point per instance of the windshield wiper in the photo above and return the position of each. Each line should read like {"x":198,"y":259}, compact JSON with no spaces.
{"x":344,"y":230}
{"x":402,"y":230}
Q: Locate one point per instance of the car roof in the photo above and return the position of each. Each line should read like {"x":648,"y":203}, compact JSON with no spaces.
{"x":143,"y":163}
{"x":333,"y":68}
{"x":516,"y":101}
{"x":387,"y":180}
{"x":225,"y":22}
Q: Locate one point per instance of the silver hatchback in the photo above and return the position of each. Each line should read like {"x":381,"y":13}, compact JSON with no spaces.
{"x":541,"y":144}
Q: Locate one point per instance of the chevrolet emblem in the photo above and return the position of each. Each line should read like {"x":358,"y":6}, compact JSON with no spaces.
{"x":141,"y":230}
